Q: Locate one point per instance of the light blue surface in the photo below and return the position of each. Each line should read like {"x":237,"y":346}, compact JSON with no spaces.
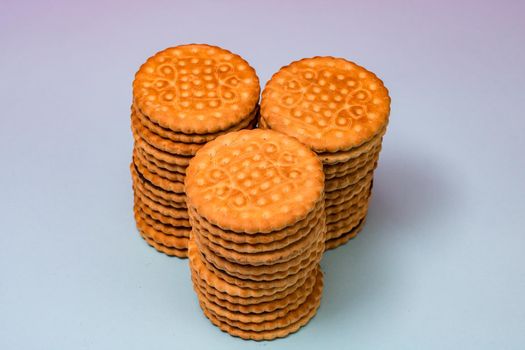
{"x":441,"y":262}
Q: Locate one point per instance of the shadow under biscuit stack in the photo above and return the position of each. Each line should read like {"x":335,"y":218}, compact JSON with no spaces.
{"x":340,"y":110}
{"x":183,"y":97}
{"x":255,"y":200}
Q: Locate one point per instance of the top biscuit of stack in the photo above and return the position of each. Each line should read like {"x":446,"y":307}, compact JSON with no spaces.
{"x":196,"y":89}
{"x":329,"y":104}
{"x":263,"y":182}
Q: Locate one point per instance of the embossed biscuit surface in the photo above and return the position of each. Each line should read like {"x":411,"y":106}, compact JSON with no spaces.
{"x":328,"y":103}
{"x":254,"y":181}
{"x":196,"y":89}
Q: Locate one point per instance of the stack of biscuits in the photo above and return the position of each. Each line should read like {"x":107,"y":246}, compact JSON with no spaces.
{"x":255,"y":200}
{"x":183,"y":97}
{"x":340,"y":110}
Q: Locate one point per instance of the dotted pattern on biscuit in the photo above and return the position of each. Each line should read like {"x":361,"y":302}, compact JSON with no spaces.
{"x":254,"y":181}
{"x":196,"y":89}
{"x":328,"y":103}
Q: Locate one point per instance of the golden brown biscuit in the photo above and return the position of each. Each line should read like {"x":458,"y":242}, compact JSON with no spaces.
{"x":279,"y":280}
{"x":350,"y":198}
{"x":340,"y":110}
{"x":154,"y":165}
{"x":336,"y":229}
{"x":343,"y":216}
{"x":297,"y":230}
{"x":149,"y":197}
{"x":226,"y":314}
{"x":297,"y":297}
{"x":162,"y":238}
{"x":159,"y":181}
{"x":141,"y":190}
{"x":142,"y":161}
{"x":344,"y":181}
{"x":161,"y":155}
{"x":342,"y":210}
{"x":144,"y":209}
{"x":254,"y":181}
{"x":196,"y":89}
{"x":175,"y":213}
{"x":281,"y":328}
{"x":248,"y":247}
{"x":267,"y":276}
{"x":180,"y":253}
{"x":161,"y":143}
{"x":349,"y":190}
{"x":215,"y":282}
{"x":329,"y":104}
{"x":148,"y":224}
{"x":249,"y":123}
{"x":262,"y":320}
{"x":152,"y":197}
{"x":307,"y":280}
{"x":162,"y":164}
{"x":337,"y":158}
{"x":301,"y":292}
{"x":157,"y":192}
{"x":266,"y":257}
{"x":344,"y":238}
{"x":351,"y":166}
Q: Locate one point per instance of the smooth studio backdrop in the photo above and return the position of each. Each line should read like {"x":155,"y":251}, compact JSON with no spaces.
{"x":440,"y":264}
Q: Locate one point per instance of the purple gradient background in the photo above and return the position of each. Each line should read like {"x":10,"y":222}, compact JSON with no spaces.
{"x":441,"y":262}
